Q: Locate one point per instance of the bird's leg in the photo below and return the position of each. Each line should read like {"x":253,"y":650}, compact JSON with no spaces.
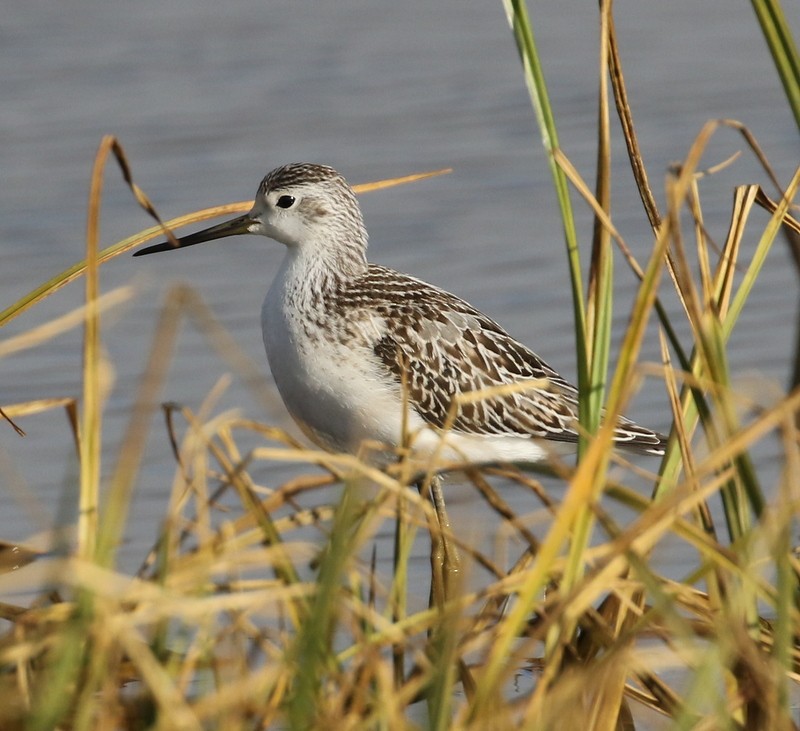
{"x":445,"y":560}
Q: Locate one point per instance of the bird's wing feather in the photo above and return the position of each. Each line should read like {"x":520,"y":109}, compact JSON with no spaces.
{"x":429,"y":335}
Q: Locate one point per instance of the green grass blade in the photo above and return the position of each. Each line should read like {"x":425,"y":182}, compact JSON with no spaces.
{"x":519,"y":20}
{"x":781,"y":44}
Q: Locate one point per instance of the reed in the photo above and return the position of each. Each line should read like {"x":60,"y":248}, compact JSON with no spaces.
{"x":267,"y":606}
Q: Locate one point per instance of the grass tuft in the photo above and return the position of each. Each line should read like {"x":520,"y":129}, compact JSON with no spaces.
{"x":274,"y":606}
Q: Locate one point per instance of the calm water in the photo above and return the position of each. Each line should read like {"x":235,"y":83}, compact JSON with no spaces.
{"x":208,"y":97}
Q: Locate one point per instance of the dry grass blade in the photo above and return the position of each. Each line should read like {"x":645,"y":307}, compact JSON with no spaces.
{"x":402,"y":180}
{"x":302,"y":602}
{"x":629,"y":130}
{"x":770,"y":205}
{"x":162,"y":229}
{"x":91,"y":425}
{"x":63,"y":323}
{"x":28,"y":408}
{"x":744,"y":198}
{"x":7,"y":418}
{"x":130,"y":456}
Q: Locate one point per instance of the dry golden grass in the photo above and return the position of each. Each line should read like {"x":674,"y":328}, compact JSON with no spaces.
{"x":262,"y":606}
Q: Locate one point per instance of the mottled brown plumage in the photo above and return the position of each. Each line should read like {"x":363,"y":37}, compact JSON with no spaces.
{"x":441,"y":349}
{"x":352,"y":345}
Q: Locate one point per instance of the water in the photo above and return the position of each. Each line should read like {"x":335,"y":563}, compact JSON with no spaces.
{"x":206,"y":98}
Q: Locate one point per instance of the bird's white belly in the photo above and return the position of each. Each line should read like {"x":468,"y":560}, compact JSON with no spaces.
{"x":334,"y":392}
{"x":340,"y":399}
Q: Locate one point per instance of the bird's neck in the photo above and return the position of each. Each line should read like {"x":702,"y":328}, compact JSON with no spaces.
{"x":314,"y":270}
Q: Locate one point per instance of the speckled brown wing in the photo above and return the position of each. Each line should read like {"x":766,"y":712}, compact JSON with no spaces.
{"x":442,"y":348}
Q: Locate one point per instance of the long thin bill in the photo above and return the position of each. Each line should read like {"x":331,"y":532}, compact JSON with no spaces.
{"x":240,"y":225}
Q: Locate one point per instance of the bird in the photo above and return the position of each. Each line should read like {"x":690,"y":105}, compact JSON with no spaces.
{"x":362,"y":353}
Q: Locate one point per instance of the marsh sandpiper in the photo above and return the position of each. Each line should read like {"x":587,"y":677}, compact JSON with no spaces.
{"x":361,"y":352}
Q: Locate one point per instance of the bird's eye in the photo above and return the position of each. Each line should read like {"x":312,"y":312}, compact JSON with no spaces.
{"x":285,"y":201}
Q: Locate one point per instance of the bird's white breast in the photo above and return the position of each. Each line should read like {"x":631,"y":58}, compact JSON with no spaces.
{"x":333,"y":389}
